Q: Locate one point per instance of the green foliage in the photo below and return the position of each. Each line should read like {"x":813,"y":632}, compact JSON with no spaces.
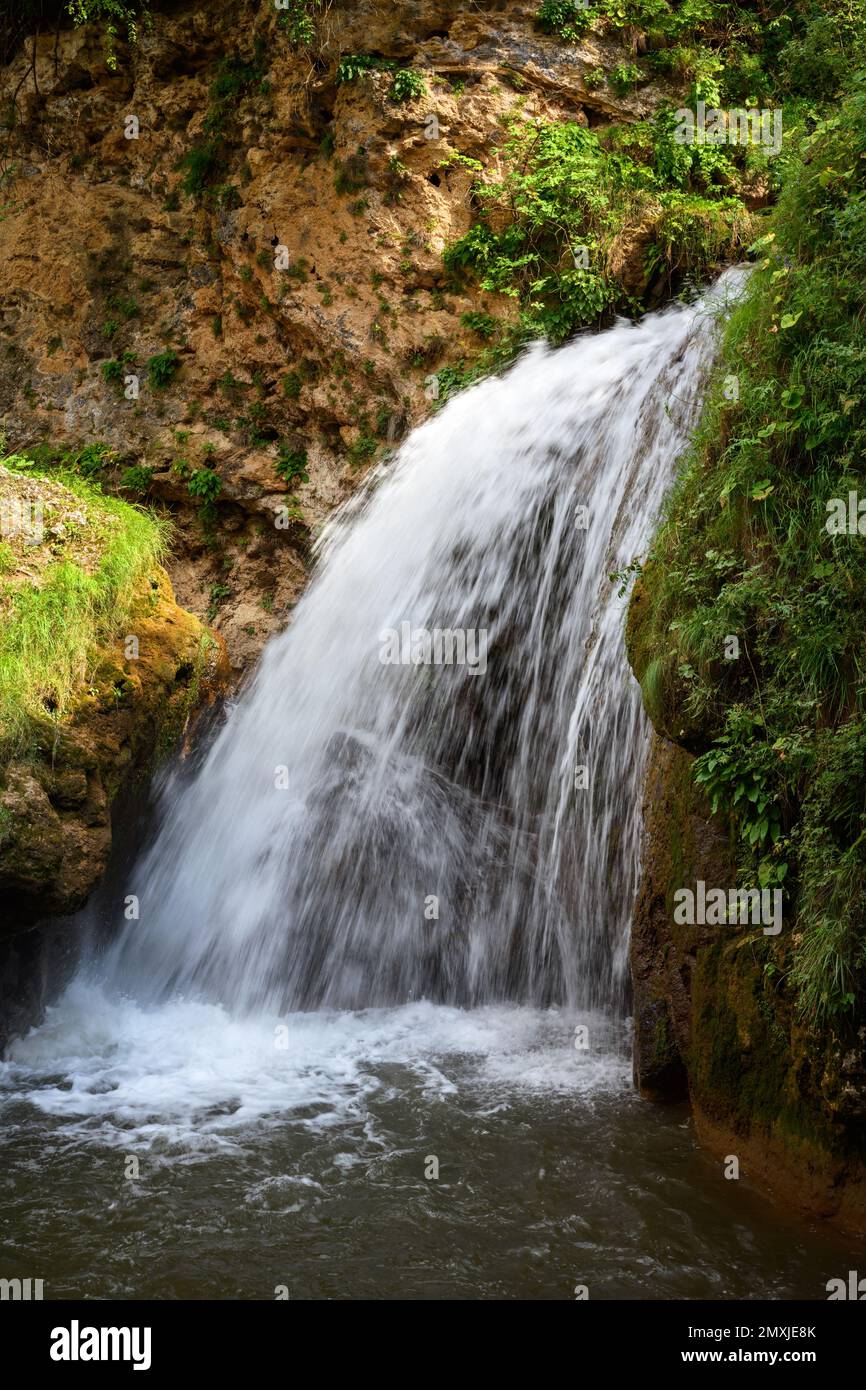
{"x":126,"y":16}
{"x":732,"y":54}
{"x":408,"y":85}
{"x":137,"y":478}
{"x":206,"y":485}
{"x":484,"y":325}
{"x":234,"y":78}
{"x":820,"y":61}
{"x":738,"y":773}
{"x":362,"y":450}
{"x":203,"y":163}
{"x":85,"y":462}
{"x":112,"y":372}
{"x":123,"y":305}
{"x":745,"y":550}
{"x":565,"y":189}
{"x":351,"y":175}
{"x":50,"y":632}
{"x":299,"y":21}
{"x":626,"y":76}
{"x":292,"y":464}
{"x":354,"y":65}
{"x":162,"y":368}
{"x":218,"y":594}
{"x":568,"y":19}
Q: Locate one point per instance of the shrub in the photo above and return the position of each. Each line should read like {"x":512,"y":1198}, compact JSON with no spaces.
{"x":112,"y":372}
{"x":483,"y":324}
{"x":625,"y":76}
{"x":202,"y":163}
{"x":563,"y":188}
{"x":298,"y":19}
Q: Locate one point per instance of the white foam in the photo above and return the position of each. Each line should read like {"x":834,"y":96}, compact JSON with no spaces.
{"x":187,"y":1075}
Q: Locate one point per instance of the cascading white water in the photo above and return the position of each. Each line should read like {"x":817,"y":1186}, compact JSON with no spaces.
{"x":343,"y":795}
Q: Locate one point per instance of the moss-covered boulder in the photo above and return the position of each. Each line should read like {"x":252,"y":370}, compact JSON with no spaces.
{"x":99,"y":672}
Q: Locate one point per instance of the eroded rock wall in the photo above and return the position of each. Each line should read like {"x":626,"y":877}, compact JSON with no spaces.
{"x":712,"y":1026}
{"x":106,"y":257}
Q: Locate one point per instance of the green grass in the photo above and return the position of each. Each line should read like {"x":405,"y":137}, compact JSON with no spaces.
{"x":51,"y":633}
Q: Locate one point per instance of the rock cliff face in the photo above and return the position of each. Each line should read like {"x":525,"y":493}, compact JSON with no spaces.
{"x":712,"y":1027}
{"x":223,"y":294}
{"x":55,"y":801}
{"x":289,"y":384}
{"x":64,"y":760}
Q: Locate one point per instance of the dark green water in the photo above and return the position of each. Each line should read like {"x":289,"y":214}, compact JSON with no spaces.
{"x":304,"y":1165}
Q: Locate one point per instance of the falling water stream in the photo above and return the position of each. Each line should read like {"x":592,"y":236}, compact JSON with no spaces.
{"x":374,"y":924}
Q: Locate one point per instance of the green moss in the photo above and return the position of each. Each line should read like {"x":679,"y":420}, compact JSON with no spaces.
{"x":750,"y":1067}
{"x":177,"y":713}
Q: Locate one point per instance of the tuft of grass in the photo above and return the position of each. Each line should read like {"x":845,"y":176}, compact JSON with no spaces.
{"x":51,"y":632}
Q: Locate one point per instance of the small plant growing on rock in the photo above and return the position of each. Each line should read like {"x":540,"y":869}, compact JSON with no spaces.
{"x":137,"y":478}
{"x":292,"y":464}
{"x":202,"y":164}
{"x":298,"y":20}
{"x":354,"y":65}
{"x":218,"y":593}
{"x":398,"y":177}
{"x":568,"y":19}
{"x":206,"y":485}
{"x":408,"y":85}
{"x":127,"y":308}
{"x":162,"y":368}
{"x":351,"y":175}
{"x":362,"y":450}
{"x":112,"y":372}
{"x":482,"y":324}
{"x":626,"y":76}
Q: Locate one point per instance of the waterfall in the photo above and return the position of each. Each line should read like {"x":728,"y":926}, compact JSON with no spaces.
{"x":270,"y":1085}
{"x":375,"y":823}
